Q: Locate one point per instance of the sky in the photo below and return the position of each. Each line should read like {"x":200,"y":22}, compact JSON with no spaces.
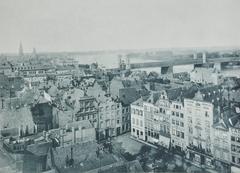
{"x":83,"y":25}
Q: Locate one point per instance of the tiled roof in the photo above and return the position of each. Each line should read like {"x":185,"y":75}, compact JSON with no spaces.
{"x":14,"y":118}
{"x":39,"y":149}
{"x":128,"y":95}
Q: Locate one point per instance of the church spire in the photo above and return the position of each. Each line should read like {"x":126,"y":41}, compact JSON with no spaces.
{"x":20,"y":50}
{"x":34,"y":53}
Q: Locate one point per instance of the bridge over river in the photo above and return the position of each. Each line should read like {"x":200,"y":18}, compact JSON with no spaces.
{"x":168,"y":64}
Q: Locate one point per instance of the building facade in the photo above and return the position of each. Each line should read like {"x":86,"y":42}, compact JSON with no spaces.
{"x":199,"y":120}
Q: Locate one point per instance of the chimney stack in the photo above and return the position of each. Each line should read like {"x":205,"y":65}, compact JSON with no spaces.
{"x":61,"y":137}
{"x":73,"y":135}
{"x":80,"y":133}
{"x":71,"y":153}
{"x":44,"y":134}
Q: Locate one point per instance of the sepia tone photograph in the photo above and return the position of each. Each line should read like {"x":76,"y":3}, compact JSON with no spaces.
{"x":119,"y":86}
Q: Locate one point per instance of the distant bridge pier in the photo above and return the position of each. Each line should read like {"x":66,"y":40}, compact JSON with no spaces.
{"x":197,"y":65}
{"x":167,"y":70}
{"x":218,"y":66}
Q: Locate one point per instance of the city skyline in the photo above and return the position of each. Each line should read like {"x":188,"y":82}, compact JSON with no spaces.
{"x":55,"y":26}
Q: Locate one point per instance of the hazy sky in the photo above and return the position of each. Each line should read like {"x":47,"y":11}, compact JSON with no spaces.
{"x":78,"y":25}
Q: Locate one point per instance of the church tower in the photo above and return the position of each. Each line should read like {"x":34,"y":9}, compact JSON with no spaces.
{"x":20,"y":50}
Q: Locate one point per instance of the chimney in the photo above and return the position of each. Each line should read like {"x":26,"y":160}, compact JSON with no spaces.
{"x":66,"y":127}
{"x":71,"y":152}
{"x":36,"y":129}
{"x":219,"y":109}
{"x":80,"y":133}
{"x":61,"y":137}
{"x":20,"y":131}
{"x":73,"y":135}
{"x":44,"y":134}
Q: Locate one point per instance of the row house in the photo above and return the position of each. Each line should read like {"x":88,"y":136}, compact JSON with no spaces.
{"x":198,"y":125}
{"x":199,"y":120}
{"x":157,"y":113}
{"x":86,"y":109}
{"x":138,"y":120}
{"x":234,"y":130}
{"x":109,"y":110}
{"x":157,"y":117}
{"x":178,"y":136}
{"x":110,"y":118}
{"x":128,"y":92}
{"x":221,"y":141}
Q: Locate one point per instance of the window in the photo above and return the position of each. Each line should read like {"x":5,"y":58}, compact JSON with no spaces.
{"x":177,"y":123}
{"x":178,"y":134}
{"x":181,"y":124}
{"x":173,"y":132}
{"x":182,"y":135}
{"x":206,"y":114}
{"x":232,"y":138}
{"x":141,"y":133}
{"x":233,"y":148}
{"x":173,"y":121}
{"x":137,"y":112}
{"x":133,"y":130}
{"x":137,"y":132}
{"x":181,"y":115}
{"x":238,"y":140}
{"x":177,"y":114}
{"x":173,"y":113}
{"x":117,"y":121}
{"x":233,"y":159}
